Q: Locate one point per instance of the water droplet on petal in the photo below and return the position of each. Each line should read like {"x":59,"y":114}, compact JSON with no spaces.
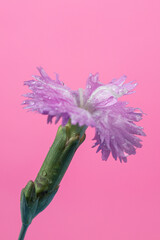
{"x":40,"y":87}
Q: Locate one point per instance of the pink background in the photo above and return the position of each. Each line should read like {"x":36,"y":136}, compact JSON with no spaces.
{"x":96,"y":199}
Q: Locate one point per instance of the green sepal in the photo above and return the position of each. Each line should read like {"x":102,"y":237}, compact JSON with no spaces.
{"x":45,"y":201}
{"x":28,"y":203}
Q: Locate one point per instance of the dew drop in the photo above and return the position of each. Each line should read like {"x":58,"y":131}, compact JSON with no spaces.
{"x":44,"y":173}
{"x":50,"y":181}
{"x":40,"y":87}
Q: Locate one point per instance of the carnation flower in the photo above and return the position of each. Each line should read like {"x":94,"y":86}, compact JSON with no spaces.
{"x":97,"y":106}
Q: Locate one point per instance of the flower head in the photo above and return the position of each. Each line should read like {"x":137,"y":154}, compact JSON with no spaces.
{"x":96,"y":106}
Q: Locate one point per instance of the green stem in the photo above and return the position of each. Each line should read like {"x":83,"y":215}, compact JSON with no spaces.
{"x":23,"y":232}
